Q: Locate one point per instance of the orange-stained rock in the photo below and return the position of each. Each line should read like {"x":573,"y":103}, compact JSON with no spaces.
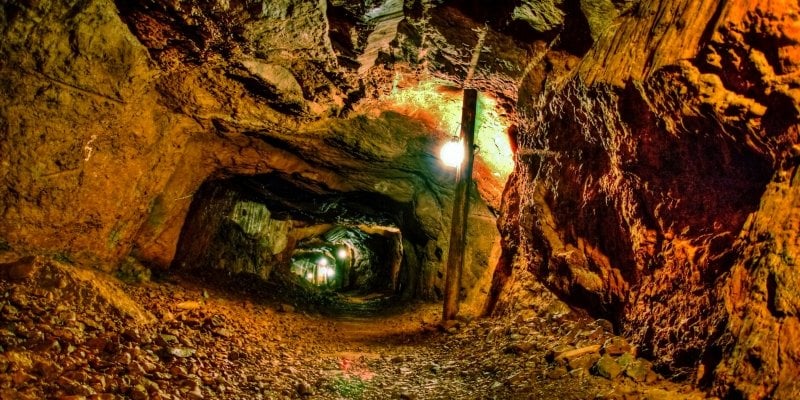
{"x":660,"y":193}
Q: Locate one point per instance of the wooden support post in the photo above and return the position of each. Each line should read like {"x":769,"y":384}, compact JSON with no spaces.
{"x":458,"y":227}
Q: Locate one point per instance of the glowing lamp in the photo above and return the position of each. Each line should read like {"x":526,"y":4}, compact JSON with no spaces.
{"x":452,"y":153}
{"x":342,"y":253}
{"x":322,"y":262}
{"x":329,"y":272}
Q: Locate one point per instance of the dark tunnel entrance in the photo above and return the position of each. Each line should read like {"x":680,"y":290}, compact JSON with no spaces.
{"x":329,"y":251}
{"x":351,"y":259}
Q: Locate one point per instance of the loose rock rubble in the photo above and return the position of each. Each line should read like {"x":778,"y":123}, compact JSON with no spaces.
{"x":67,"y":337}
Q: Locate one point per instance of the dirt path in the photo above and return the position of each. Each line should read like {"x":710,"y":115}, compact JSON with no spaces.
{"x":68,"y":338}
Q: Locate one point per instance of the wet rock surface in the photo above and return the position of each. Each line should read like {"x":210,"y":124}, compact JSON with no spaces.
{"x":211,"y":342}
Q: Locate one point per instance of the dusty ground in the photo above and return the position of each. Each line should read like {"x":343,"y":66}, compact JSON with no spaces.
{"x":71,"y":333}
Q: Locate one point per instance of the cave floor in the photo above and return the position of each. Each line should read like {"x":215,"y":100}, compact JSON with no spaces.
{"x":69,"y":335}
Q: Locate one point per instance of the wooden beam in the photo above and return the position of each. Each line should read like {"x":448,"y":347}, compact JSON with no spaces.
{"x":458,"y":226}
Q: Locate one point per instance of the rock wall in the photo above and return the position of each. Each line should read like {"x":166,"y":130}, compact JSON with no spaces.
{"x":656,"y":186}
{"x":112,"y":115}
{"x":80,"y":129}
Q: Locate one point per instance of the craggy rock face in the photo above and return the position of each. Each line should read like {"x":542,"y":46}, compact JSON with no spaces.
{"x":657,"y":147}
{"x":114,"y":114}
{"x":659,"y":189}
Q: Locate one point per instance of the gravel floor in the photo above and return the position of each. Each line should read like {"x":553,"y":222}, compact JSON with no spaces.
{"x":69,"y":333}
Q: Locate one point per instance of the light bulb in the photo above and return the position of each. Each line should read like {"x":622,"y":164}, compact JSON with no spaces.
{"x":452,"y":153}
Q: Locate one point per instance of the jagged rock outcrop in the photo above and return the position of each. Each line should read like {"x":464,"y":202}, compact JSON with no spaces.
{"x":654,"y":187}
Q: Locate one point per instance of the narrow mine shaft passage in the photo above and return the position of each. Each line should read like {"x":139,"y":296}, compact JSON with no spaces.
{"x":281,"y":288}
{"x":336,"y":253}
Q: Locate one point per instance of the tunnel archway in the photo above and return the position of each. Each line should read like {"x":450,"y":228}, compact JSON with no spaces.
{"x":351,"y":259}
{"x":353,"y":247}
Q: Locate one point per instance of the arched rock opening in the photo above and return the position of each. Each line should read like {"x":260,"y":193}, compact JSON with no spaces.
{"x":287,"y":230}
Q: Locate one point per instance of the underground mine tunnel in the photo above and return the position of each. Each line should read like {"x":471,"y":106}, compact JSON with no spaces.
{"x":249,"y":199}
{"x":284,"y":232}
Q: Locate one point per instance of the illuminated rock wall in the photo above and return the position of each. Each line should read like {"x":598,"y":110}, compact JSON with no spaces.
{"x":114,"y":114}
{"x":657,"y":185}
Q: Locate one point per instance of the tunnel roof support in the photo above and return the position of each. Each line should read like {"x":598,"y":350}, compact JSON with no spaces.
{"x":458,"y":226}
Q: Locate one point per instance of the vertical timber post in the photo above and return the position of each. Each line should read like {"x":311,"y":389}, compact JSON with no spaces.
{"x":458,"y":227}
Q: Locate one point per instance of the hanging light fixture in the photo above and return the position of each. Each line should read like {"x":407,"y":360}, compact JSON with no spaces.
{"x":452,"y":153}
